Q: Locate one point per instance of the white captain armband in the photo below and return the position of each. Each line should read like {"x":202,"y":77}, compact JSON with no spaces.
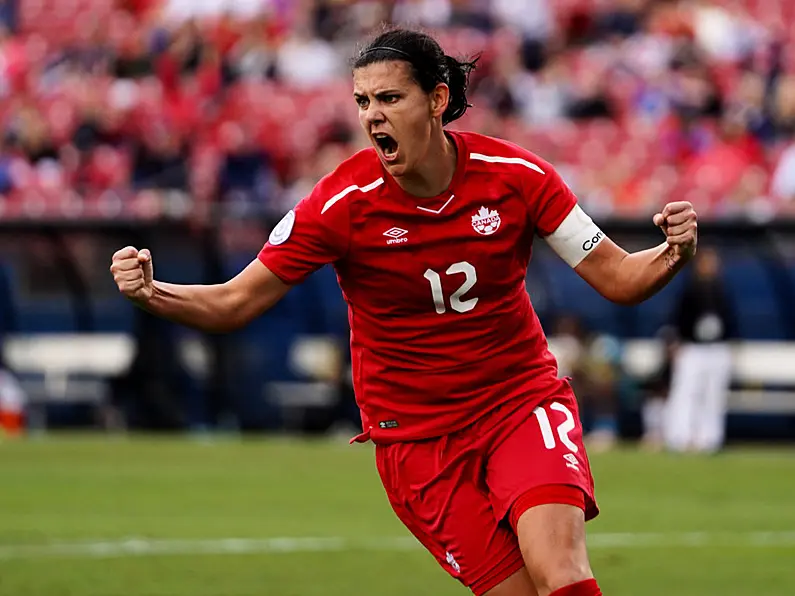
{"x":576,"y":237}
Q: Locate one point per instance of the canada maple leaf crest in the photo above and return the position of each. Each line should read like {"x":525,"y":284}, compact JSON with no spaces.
{"x":486,"y":221}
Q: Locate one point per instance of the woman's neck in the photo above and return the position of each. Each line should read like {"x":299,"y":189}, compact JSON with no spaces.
{"x":436,"y":171}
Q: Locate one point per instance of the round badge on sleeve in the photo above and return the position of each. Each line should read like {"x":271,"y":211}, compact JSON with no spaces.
{"x":283,"y":229}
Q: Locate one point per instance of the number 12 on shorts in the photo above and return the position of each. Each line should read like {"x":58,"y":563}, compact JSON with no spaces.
{"x":564,"y":428}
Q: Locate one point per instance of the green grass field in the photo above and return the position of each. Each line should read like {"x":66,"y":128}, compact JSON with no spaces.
{"x":174,"y":517}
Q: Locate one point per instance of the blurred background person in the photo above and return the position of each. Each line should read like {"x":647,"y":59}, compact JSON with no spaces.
{"x":657,"y":389}
{"x":600,"y":374}
{"x":13,"y":402}
{"x":701,"y":376}
{"x":592,"y":360}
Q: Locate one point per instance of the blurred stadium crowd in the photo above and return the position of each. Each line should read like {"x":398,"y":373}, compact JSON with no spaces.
{"x":150,"y":107}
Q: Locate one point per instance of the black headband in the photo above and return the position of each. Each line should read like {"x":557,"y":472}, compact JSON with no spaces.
{"x":444,"y":78}
{"x":388,"y":49}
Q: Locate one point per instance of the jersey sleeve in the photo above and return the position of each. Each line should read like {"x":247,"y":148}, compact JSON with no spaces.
{"x":550,"y":202}
{"x":558,"y":219}
{"x":312,"y":235}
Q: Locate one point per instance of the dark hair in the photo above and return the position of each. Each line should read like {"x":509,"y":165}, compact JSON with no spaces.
{"x":429,"y":64}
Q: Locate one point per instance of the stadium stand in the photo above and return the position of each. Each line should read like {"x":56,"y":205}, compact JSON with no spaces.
{"x":633,"y":99}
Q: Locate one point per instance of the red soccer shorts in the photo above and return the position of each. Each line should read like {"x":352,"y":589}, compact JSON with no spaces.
{"x":455,"y":492}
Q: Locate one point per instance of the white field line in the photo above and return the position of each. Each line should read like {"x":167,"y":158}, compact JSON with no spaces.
{"x":222,"y":546}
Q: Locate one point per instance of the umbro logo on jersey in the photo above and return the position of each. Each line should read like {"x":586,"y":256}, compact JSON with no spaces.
{"x":486,"y":221}
{"x":396,"y":235}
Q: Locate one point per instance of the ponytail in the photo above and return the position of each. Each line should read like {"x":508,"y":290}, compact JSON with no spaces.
{"x":458,"y":82}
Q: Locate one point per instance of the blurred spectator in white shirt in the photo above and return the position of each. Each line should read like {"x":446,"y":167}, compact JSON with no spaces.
{"x":428,"y":13}
{"x":725,"y":35}
{"x":783,"y":185}
{"x":531,"y":18}
{"x":307,"y":61}
{"x":182,"y":10}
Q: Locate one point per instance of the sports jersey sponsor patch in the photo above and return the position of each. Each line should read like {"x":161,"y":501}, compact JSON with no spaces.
{"x":282,"y":231}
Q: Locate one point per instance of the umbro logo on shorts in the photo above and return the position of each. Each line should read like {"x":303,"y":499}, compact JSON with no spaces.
{"x":452,"y":562}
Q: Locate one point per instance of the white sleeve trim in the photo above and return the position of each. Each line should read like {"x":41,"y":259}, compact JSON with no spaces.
{"x":341,"y":195}
{"x":498,"y":159}
{"x":576,"y":236}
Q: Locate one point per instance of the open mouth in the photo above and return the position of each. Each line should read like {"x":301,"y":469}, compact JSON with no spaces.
{"x":387,"y":145}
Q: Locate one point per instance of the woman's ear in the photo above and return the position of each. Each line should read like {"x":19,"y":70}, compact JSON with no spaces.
{"x":440,"y":99}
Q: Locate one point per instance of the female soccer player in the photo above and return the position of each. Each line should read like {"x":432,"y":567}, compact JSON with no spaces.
{"x":478,"y":442}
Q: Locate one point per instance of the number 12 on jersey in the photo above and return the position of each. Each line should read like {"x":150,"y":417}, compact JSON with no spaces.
{"x":456,"y":302}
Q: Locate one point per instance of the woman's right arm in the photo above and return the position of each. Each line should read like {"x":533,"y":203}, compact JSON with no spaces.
{"x":218,"y":308}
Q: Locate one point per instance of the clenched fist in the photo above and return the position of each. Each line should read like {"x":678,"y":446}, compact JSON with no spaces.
{"x":133,"y":273}
{"x":679,"y":222}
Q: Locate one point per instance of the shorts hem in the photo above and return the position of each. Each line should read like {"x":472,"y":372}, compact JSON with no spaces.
{"x":591,"y":507}
{"x":564,"y":494}
{"x":503,"y":571}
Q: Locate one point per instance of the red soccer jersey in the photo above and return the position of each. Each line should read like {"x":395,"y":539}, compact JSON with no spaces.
{"x":442,"y":329}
